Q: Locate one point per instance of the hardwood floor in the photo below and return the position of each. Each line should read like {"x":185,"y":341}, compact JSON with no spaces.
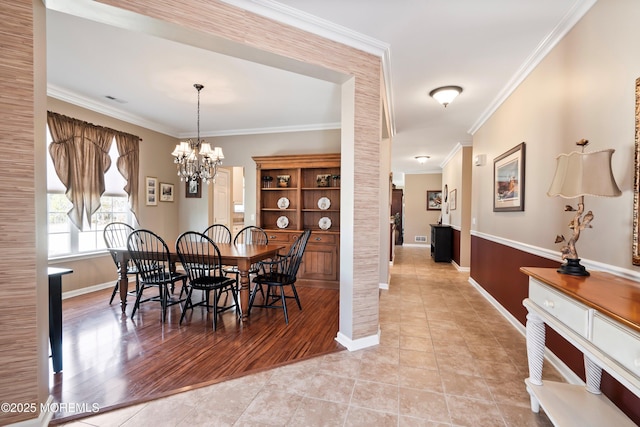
{"x":115,"y":361}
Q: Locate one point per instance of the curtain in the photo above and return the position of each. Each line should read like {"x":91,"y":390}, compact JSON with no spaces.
{"x":129,"y":165}
{"x":80,"y":154}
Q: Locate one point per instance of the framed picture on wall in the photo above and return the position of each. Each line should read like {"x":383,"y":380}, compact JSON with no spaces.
{"x":151,"y":191}
{"x":434,"y":200}
{"x":193,"y":188}
{"x":508,"y":180}
{"x":166,"y":192}
{"x":452,"y":199}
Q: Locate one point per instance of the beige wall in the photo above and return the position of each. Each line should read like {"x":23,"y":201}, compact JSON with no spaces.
{"x":416,"y":216}
{"x":456,"y":174}
{"x":583,"y":89}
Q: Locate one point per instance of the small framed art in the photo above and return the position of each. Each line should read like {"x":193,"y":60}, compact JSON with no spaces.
{"x":151,"y":191}
{"x":434,"y":200}
{"x":508,"y":180}
{"x":193,"y":188}
{"x":166,"y":192}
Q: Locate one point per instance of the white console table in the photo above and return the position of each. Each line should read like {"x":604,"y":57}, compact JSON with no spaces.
{"x":599,"y":315}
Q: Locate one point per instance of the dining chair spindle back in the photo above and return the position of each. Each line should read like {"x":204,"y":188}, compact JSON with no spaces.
{"x":152,"y":258}
{"x":200,"y":257}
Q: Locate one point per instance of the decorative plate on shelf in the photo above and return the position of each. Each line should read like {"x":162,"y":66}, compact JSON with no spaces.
{"x":324,"y":203}
{"x":324,"y":223}
{"x":283,"y":222}
{"x":283,"y":203}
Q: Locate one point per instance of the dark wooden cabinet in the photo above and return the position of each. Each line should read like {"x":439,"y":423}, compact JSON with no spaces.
{"x":397,"y":196}
{"x":441,"y":242}
{"x":309,"y":200}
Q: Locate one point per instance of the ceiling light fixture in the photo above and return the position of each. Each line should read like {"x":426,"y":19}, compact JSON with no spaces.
{"x":195,"y":159}
{"x":445,"y":94}
{"x":422,"y":159}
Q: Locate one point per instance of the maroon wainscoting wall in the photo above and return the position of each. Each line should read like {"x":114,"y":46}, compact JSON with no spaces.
{"x":496,"y":268}
{"x":456,"y":246}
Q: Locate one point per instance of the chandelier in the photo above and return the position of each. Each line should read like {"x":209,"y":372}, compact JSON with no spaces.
{"x":196,"y":159}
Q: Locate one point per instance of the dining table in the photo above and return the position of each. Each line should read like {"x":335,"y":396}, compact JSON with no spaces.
{"x":240,"y":255}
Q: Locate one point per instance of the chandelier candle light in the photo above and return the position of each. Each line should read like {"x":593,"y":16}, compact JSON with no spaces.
{"x":196,"y":160}
{"x":580,"y":174}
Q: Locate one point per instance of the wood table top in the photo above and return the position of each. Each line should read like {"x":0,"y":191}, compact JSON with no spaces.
{"x":614,"y":296}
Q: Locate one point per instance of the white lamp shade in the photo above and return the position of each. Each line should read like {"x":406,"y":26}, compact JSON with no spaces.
{"x":217,"y":153}
{"x":182,"y":149}
{"x":584,"y":174}
{"x":444,"y":95}
{"x":205,"y":150}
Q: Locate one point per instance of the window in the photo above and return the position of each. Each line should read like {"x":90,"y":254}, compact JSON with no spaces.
{"x":64,"y":237}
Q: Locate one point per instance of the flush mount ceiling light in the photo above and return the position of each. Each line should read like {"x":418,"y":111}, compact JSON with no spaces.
{"x":445,"y":94}
{"x":422,"y":159}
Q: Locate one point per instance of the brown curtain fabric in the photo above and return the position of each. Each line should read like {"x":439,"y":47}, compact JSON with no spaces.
{"x":80,"y":154}
{"x":129,"y":165}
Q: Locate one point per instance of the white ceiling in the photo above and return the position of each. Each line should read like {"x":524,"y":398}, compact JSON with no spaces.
{"x":485,"y":46}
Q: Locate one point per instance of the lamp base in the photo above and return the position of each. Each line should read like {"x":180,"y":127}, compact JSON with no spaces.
{"x":573,"y":268}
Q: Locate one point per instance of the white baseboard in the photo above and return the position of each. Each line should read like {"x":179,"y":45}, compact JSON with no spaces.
{"x":94,"y":288}
{"x":359,"y":344}
{"x":462,"y":269}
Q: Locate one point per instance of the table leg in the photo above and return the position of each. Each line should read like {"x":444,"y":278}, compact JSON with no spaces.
{"x":55,"y":321}
{"x":535,"y":354}
{"x":123,"y":280}
{"x":245,"y":285}
{"x":593,"y":372}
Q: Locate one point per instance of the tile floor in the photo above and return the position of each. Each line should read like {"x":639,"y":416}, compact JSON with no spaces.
{"x":446,"y":358}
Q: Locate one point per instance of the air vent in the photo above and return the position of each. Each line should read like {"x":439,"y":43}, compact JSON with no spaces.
{"x":421,"y":238}
{"x":113,"y":98}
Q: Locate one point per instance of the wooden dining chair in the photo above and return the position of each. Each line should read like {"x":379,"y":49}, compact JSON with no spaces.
{"x":152,"y":259}
{"x":250,"y":235}
{"x":277,"y":274}
{"x":115,"y":235}
{"x":200,"y":257}
{"x":218,"y":233}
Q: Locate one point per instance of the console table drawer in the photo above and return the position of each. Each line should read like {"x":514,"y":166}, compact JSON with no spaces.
{"x":618,"y":342}
{"x":568,"y":311}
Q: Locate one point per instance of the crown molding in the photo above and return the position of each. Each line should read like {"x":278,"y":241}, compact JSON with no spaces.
{"x":459,"y":146}
{"x":328,"y":30}
{"x":108,"y":110}
{"x":274,"y":129}
{"x":570,"y":19}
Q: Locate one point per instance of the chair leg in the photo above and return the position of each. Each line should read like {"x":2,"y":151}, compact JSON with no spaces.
{"x":215,"y":310}
{"x":295,"y":294}
{"x":234,"y":294}
{"x":284,"y":304}
{"x":115,"y":291}
{"x":187,"y":304}
{"x":137,"y":304}
{"x":252,"y":297}
{"x":164,"y":296}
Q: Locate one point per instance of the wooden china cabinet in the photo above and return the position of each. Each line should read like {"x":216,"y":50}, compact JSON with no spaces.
{"x":298,"y":192}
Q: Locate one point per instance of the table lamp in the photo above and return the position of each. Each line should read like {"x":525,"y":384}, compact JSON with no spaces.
{"x":580,"y":174}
